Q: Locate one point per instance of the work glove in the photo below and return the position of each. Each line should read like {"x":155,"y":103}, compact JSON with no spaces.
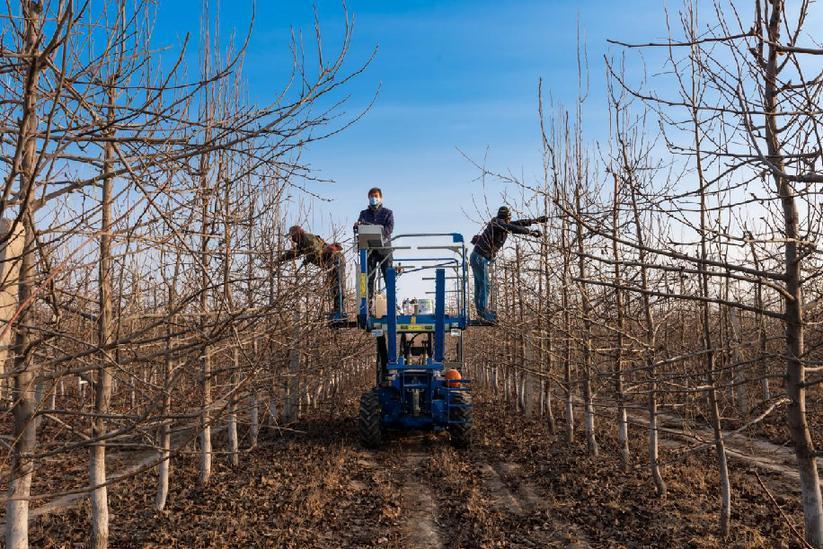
{"x":535,"y":233}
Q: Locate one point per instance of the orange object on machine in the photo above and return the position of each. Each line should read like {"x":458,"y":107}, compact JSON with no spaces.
{"x":453,"y":378}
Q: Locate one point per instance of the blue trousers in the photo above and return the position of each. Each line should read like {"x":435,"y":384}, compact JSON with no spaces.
{"x":382,"y":258}
{"x":480,"y":269}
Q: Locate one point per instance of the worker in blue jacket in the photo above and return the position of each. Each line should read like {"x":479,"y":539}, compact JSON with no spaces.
{"x":377,"y":214}
{"x":486,"y":246}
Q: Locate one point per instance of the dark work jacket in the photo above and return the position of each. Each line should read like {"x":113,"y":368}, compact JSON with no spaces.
{"x":309,"y":246}
{"x":378,"y":215}
{"x":494,"y":235}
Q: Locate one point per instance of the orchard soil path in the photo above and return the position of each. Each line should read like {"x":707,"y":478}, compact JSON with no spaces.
{"x":518,"y":486}
{"x":750,"y":450}
{"x":315,"y":486}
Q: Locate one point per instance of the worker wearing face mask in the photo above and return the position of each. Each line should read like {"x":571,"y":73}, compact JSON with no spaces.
{"x":377,"y":214}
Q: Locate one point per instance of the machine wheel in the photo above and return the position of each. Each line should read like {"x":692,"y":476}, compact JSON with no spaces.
{"x":461,"y":433}
{"x":371,"y":428}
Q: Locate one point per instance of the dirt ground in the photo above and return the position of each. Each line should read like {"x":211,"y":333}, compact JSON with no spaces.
{"x":518,"y":486}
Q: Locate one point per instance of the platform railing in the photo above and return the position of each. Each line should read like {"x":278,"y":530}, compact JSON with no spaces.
{"x":457,"y":264}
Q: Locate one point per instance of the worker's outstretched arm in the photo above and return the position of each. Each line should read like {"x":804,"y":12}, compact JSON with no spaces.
{"x":527,"y":222}
{"x":515,"y":227}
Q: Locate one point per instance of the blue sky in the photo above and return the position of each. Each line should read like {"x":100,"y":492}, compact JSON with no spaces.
{"x":451,"y":74}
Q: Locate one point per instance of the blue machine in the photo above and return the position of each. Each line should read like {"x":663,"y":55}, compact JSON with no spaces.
{"x":412,"y":392}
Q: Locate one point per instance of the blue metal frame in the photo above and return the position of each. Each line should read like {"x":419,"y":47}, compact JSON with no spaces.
{"x":391,"y":314}
{"x":417,"y":396}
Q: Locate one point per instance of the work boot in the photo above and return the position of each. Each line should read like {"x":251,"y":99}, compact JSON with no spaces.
{"x":487,"y":318}
{"x":337,"y":318}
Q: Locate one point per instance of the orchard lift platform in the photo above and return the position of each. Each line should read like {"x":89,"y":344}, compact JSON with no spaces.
{"x":416,"y":389}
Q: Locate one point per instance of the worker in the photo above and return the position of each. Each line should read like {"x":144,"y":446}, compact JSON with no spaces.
{"x":486,"y":246}
{"x":377,"y":214}
{"x":328,"y":257}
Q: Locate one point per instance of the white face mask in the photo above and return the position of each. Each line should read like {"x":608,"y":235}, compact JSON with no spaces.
{"x":374,"y":200}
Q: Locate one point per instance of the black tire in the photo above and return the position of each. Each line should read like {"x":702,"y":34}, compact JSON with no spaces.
{"x":461,"y":433}
{"x":371,"y":428}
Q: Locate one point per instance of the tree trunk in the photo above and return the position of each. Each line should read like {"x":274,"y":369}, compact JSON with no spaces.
{"x":205,"y":417}
{"x":292,"y":384}
{"x":102,"y":390}
{"x":795,"y":369}
{"x":205,"y":356}
{"x":622,"y":419}
{"x":10,"y":252}
{"x":760,"y":319}
{"x":585,"y":307}
{"x":254,"y":411}
{"x":232,"y":409}
{"x":650,"y":350}
{"x":165,"y":426}
{"x":567,"y":326}
{"x":25,"y":430}
{"x":708,"y":344}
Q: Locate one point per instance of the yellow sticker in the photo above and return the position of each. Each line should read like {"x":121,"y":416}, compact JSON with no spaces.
{"x":415,"y":328}
{"x":363,"y":284}
{"x":414,"y":320}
